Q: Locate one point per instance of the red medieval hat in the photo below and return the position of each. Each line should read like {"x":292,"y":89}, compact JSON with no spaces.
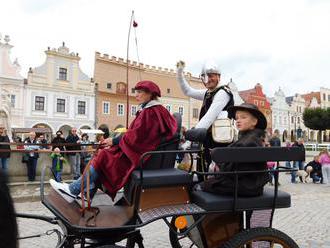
{"x":148,"y":86}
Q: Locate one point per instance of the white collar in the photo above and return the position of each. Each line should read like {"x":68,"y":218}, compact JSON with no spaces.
{"x":149,"y":104}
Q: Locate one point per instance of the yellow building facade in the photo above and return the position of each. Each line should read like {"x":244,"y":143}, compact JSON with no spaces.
{"x":110,"y":75}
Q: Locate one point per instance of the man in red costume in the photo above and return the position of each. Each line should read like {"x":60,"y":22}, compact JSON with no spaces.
{"x":113,"y":165}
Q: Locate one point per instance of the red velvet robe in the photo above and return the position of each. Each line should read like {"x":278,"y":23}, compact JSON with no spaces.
{"x":115,"y":165}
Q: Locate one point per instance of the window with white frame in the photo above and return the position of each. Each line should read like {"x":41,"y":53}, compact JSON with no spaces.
{"x":39,"y":103}
{"x":168,"y":107}
{"x":60,"y":105}
{"x":181,"y":111}
{"x":63,"y":73}
{"x":12,"y":100}
{"x":120,"y":109}
{"x":133,"y":110}
{"x":195,"y":112}
{"x":81,"y":107}
{"x":106,"y":108}
{"x":109,"y":86}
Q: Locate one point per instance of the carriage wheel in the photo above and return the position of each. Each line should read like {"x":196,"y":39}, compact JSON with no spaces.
{"x":260,"y":237}
{"x":179,"y":242}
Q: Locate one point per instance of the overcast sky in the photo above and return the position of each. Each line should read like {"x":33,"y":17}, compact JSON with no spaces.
{"x":280,"y":43}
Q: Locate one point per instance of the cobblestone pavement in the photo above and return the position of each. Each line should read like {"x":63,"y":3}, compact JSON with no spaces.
{"x":307,"y":221}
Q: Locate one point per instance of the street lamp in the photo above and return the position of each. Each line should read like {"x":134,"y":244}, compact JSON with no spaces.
{"x":293,"y":120}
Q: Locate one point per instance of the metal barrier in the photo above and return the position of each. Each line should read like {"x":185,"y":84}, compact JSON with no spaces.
{"x":317,"y":146}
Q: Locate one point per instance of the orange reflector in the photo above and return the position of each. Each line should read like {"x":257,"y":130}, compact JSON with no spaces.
{"x":180,"y":222}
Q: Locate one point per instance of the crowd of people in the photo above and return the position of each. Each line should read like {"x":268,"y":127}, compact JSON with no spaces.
{"x":317,"y":170}
{"x":73,"y":150}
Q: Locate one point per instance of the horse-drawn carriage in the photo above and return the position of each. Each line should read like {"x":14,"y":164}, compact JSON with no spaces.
{"x":159,"y":191}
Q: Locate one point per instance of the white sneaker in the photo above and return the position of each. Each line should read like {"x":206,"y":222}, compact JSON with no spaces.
{"x":63,"y":190}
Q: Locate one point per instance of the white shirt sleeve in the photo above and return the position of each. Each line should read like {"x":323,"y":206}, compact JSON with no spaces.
{"x":187,"y":89}
{"x":220,"y":100}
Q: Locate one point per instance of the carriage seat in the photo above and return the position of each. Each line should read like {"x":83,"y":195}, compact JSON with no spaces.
{"x":159,"y":170}
{"x":163,"y":177}
{"x":214,"y":202}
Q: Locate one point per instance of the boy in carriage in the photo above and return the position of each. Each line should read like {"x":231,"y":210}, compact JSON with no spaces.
{"x":251,"y":123}
{"x":113,"y":165}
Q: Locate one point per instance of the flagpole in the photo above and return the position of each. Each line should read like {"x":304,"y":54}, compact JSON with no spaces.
{"x":127,"y":67}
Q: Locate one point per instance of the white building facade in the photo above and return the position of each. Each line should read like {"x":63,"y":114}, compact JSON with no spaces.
{"x":325,"y":103}
{"x":59,"y":95}
{"x":297,"y":128}
{"x":11,"y":88}
{"x":280,"y":115}
{"x":325,"y":97}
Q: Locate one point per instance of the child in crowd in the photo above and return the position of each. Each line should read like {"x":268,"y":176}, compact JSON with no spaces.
{"x":57,"y":164}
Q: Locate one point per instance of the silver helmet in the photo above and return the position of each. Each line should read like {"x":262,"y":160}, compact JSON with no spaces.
{"x":209,"y":68}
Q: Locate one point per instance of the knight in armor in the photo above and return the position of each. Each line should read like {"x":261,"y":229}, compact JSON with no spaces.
{"x":216,"y":99}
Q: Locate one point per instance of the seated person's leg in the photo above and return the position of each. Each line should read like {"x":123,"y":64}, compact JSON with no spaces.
{"x":70,"y":191}
{"x":75,"y":186}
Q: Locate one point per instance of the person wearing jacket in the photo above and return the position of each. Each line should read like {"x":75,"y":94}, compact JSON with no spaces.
{"x":251,"y":124}
{"x":4,"y":156}
{"x":325,"y":165}
{"x":32,"y":156}
{"x":58,"y":139}
{"x":316,"y":172}
{"x":57,"y":164}
{"x":74,"y":157}
{"x":113,"y":166}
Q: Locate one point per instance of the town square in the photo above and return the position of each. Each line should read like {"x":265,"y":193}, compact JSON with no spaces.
{"x":164,"y":124}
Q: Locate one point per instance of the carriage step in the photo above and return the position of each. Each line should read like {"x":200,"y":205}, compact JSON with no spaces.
{"x":166,"y":211}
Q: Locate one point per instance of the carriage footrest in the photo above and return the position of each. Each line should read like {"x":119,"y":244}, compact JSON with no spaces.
{"x":166,"y":211}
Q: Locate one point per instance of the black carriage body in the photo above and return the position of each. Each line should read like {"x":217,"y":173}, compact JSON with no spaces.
{"x":157,"y":190}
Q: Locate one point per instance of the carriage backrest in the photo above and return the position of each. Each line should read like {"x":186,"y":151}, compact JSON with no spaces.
{"x":163,"y":161}
{"x":257,"y":154}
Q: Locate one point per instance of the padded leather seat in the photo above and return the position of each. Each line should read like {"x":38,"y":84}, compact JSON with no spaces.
{"x":214,"y":202}
{"x":164,"y":177}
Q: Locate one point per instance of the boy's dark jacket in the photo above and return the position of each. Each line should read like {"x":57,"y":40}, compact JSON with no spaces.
{"x":249,"y":184}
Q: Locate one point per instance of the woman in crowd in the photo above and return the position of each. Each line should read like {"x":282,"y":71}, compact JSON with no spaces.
{"x":325,"y":163}
{"x":112,"y":166}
